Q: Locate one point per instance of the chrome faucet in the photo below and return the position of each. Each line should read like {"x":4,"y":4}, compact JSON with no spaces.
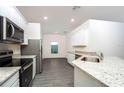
{"x":100,"y":55}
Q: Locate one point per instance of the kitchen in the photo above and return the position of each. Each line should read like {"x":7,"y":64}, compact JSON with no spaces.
{"x":78,"y":47}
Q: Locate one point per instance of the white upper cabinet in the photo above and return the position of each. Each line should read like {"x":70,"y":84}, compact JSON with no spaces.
{"x":98,"y":35}
{"x":33,"y":31}
{"x":25,"y":39}
{"x":14,"y":15}
{"x":80,"y":35}
{"x":79,"y":38}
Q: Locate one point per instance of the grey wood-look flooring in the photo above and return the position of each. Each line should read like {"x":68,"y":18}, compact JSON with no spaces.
{"x":56,"y":73}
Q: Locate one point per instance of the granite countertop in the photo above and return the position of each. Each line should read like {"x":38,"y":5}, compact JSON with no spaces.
{"x":23,"y":56}
{"x":7,"y":72}
{"x":110,"y":71}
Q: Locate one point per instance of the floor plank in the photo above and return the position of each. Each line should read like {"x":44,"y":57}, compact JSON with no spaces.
{"x":56,"y":73}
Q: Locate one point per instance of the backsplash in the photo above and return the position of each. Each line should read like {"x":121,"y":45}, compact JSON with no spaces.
{"x":14,"y":47}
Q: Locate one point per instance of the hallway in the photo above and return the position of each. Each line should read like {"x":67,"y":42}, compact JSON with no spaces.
{"x":56,"y":73}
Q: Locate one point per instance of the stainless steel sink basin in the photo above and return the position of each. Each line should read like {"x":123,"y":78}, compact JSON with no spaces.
{"x":91,"y":59}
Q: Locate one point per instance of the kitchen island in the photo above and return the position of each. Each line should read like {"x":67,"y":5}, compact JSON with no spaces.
{"x":108,"y":73}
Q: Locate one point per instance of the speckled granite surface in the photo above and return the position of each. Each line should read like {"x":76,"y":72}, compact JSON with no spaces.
{"x":110,"y":71}
{"x":7,"y":72}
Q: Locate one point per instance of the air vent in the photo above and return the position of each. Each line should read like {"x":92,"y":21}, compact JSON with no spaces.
{"x":76,"y":7}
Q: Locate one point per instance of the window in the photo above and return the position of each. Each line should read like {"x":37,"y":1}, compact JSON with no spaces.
{"x":54,"y":47}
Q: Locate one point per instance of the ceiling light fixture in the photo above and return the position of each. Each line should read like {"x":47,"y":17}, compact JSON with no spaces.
{"x":56,"y":32}
{"x":72,"y":20}
{"x":45,"y":17}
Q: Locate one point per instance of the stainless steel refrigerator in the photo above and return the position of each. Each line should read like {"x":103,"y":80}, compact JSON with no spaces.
{"x":34,"y":47}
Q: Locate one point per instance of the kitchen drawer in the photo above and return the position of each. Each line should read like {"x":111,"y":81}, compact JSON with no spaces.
{"x":11,"y":80}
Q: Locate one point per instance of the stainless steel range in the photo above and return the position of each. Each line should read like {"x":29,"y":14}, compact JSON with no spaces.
{"x":26,"y":64}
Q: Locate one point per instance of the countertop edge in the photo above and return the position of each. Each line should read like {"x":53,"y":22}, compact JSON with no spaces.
{"x":24,"y":56}
{"x":90,"y":75}
{"x":18,"y":68}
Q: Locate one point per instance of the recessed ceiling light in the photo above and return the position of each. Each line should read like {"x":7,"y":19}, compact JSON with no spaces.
{"x":45,"y":17}
{"x":72,"y":20}
{"x":56,"y":32}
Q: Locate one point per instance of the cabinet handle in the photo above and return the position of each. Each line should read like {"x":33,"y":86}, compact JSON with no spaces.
{"x":13,"y":30}
{"x":27,"y":66}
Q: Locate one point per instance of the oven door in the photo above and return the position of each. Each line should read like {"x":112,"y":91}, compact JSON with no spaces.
{"x":26,"y":75}
{"x":10,"y":30}
{"x":18,"y":35}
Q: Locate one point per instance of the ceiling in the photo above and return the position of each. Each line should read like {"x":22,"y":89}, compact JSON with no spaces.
{"x":59,"y":16}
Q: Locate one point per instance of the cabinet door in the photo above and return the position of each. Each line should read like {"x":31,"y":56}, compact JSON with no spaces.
{"x":25,"y":39}
{"x":12,"y":13}
{"x":80,"y":37}
{"x":70,"y":57}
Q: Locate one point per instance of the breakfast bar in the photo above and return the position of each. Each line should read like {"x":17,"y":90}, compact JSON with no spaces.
{"x":107,"y":73}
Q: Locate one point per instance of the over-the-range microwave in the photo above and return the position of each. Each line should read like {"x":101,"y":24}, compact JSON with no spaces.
{"x":10,"y":32}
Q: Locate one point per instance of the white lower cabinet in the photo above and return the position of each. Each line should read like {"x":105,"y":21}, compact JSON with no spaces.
{"x":82,"y":79}
{"x":70,"y":58}
{"x":12,"y":81}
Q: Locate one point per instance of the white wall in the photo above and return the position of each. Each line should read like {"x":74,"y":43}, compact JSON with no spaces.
{"x":106,"y":36}
{"x":47,"y":39}
{"x":33,"y":31}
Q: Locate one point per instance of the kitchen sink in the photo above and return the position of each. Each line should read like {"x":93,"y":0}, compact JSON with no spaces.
{"x":90,"y":59}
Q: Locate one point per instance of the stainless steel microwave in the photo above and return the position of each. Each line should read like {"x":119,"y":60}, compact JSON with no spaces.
{"x":10,"y":32}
